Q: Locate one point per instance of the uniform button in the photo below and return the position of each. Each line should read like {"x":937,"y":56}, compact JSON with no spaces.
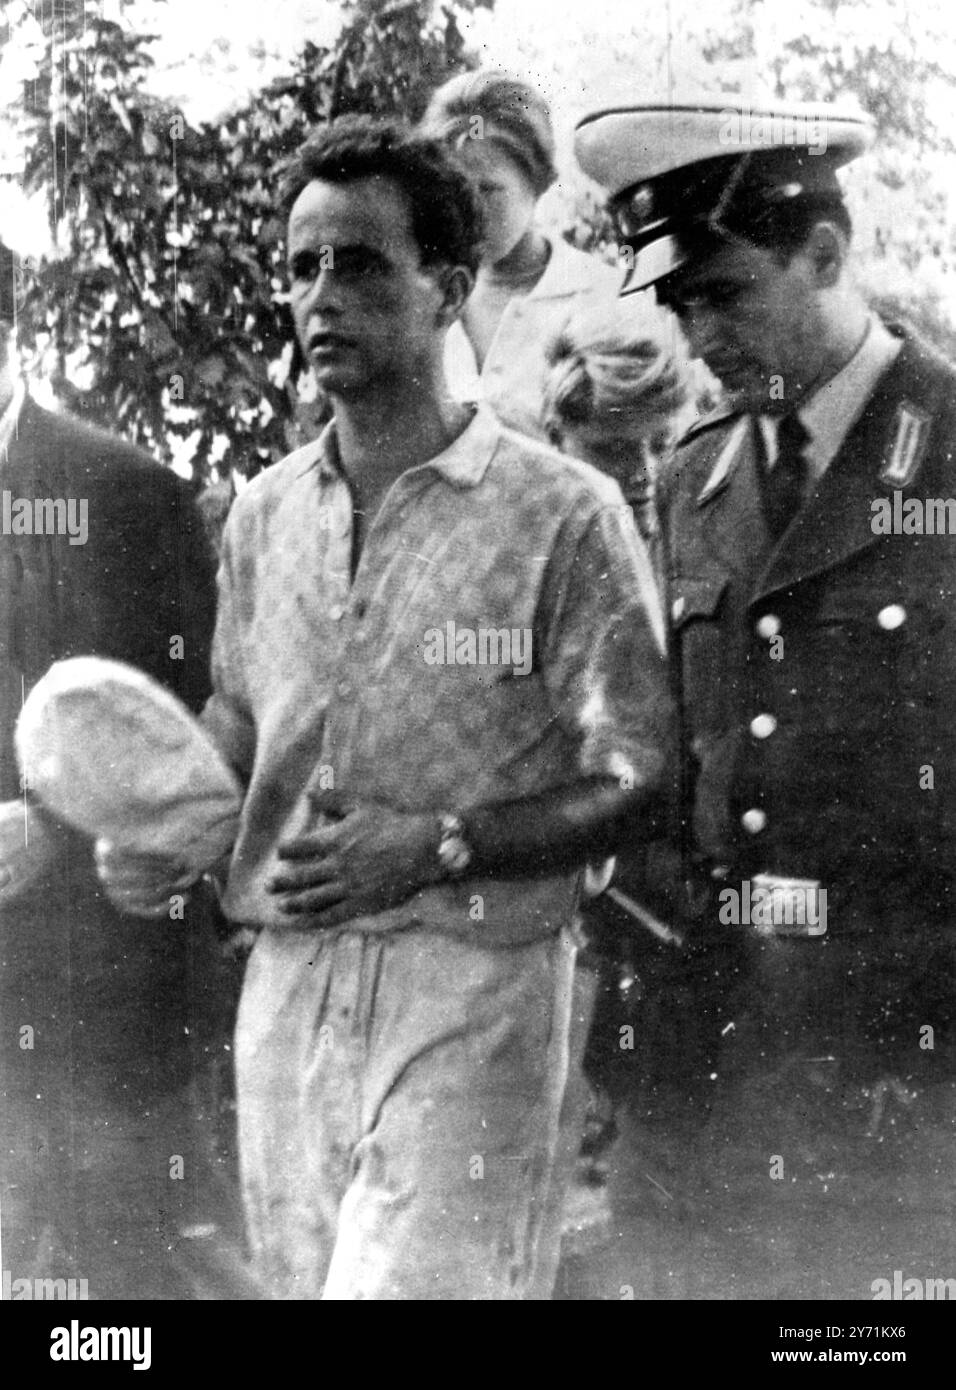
{"x":768,"y":626}
{"x":754,"y":820}
{"x":893,"y":616}
{"x":677,"y":609}
{"x":763,"y":725}
{"x":336,"y":612}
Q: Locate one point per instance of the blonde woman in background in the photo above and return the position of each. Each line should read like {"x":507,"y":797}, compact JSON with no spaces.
{"x":617,"y":397}
{"x":529,"y":285}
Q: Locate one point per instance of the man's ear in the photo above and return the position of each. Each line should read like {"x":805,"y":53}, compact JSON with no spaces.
{"x":457,"y":283}
{"x":827,"y":249}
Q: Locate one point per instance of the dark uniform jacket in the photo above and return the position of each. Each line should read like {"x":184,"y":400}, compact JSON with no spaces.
{"x":817,"y":680}
{"x":106,"y":997}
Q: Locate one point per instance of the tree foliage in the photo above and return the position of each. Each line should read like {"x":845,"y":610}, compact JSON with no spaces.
{"x":164,"y":316}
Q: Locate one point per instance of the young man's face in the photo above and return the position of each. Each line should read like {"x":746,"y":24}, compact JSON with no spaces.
{"x":755,"y":321}
{"x":368,"y":315}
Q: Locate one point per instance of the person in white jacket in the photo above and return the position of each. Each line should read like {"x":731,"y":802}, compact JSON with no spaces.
{"x":529,"y":285}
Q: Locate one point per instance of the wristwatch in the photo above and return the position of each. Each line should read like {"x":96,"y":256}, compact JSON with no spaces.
{"x":454,"y":851}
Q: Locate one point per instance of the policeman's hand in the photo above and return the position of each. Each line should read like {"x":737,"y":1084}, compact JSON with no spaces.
{"x":361,"y":857}
{"x":140,"y":884}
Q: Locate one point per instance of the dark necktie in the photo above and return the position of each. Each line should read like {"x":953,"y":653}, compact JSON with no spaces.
{"x":784,"y":486}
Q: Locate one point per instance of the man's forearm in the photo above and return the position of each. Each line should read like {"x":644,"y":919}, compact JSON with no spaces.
{"x":560,"y":828}
{"x":360,"y":858}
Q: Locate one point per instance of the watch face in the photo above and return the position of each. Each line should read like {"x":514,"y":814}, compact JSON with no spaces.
{"x":460,"y":856}
{"x":453,"y":850}
{"x":454,"y":854}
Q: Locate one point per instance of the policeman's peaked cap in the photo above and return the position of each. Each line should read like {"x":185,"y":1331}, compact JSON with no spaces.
{"x":678,"y":171}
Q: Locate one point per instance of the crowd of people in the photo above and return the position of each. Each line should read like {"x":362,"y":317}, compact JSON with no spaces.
{"x":735,"y":691}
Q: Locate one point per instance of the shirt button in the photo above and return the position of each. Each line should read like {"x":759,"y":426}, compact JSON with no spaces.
{"x":336,"y":612}
{"x":763,"y":725}
{"x":754,"y":820}
{"x":893,"y":616}
{"x":344,"y":689}
{"x":677,"y":609}
{"x":768,"y":626}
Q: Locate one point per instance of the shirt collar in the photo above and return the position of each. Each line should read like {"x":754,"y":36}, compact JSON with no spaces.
{"x":832,"y":410}
{"x":463,"y":464}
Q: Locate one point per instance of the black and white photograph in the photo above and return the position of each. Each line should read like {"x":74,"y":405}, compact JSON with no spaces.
{"x":478,"y":660}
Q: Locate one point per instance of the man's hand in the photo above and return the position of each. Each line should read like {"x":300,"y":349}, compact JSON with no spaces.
{"x":362,"y":857}
{"x":140,"y":884}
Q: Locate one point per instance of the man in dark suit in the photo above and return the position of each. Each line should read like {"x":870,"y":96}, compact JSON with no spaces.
{"x":95,"y":1144}
{"x":814,"y":641}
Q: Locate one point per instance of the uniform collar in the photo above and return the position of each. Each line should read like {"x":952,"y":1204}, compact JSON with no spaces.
{"x":884,"y":448}
{"x":832,"y":411}
{"x":828,"y":416}
{"x":463,"y":464}
{"x":890,"y":436}
{"x":726,"y":460}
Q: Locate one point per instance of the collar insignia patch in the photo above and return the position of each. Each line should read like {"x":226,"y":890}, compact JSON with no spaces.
{"x":908,"y":444}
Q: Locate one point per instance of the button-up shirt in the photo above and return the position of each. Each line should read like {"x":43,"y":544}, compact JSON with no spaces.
{"x":512,"y":377}
{"x":391,"y":686}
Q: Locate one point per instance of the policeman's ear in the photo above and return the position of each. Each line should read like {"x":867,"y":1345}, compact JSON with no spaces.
{"x":456,"y":283}
{"x":827,"y":248}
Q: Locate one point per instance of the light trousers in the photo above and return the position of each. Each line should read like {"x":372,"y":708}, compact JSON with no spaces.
{"x":399,"y":1098}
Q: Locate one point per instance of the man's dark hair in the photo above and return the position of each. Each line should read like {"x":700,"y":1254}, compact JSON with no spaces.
{"x":786,"y":228}
{"x":445,"y":212}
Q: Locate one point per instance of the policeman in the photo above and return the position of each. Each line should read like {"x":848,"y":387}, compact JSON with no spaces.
{"x":813,"y":626}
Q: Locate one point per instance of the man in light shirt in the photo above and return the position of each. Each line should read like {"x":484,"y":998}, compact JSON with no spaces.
{"x":438,"y":669}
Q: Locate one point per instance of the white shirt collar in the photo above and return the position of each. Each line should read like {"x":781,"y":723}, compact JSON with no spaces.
{"x":464,"y":463}
{"x":832,"y":411}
